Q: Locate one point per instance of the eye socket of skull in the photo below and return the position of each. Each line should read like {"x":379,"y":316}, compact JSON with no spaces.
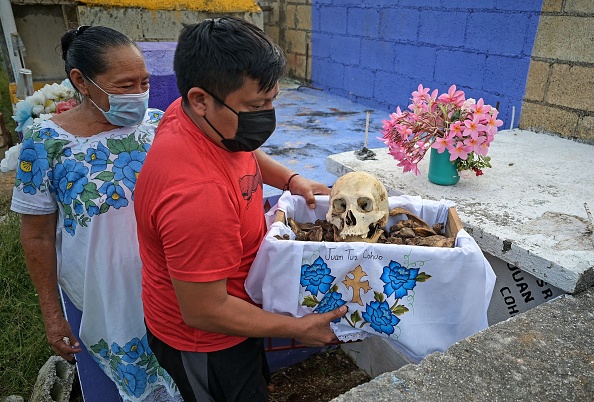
{"x":365,"y":204}
{"x":339,"y":205}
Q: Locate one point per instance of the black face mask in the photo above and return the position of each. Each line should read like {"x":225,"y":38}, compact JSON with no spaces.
{"x":253,"y":129}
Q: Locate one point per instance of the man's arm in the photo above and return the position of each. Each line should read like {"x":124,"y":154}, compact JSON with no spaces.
{"x":207,"y":306}
{"x":38,"y":236}
{"x":276,"y":175}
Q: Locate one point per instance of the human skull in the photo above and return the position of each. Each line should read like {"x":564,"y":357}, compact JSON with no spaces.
{"x":358,"y":208}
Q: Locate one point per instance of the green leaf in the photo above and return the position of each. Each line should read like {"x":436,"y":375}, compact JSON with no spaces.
{"x":378,"y":296}
{"x":309,"y":301}
{"x":334,"y":288}
{"x":399,"y":310}
{"x":67,"y":209}
{"x":422,"y":277}
{"x":105,"y":176}
{"x":79,"y":156}
{"x":53,"y":148}
{"x":103,"y":208}
{"x":356,"y":317}
{"x":116,"y":147}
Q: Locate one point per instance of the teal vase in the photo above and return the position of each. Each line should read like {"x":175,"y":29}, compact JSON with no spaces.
{"x":441,"y":170}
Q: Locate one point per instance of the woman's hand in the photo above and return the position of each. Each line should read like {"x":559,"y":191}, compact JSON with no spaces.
{"x":306,"y":188}
{"x":60,"y":337}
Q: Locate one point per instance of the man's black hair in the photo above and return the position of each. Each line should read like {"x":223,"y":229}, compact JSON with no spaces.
{"x":218,"y":54}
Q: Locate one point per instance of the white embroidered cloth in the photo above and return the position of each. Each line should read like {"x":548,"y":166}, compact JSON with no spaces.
{"x":423,"y":298}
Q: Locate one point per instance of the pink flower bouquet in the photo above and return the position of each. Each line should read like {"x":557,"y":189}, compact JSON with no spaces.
{"x":445,"y":122}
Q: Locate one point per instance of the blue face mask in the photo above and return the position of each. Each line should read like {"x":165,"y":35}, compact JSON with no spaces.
{"x":124,"y":109}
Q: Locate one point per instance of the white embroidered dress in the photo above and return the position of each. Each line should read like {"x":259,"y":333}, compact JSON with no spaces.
{"x":90,"y":181}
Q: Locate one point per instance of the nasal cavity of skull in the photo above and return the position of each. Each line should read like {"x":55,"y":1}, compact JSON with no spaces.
{"x":350,"y":219}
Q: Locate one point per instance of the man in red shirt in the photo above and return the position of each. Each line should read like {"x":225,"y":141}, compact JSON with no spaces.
{"x":198,"y":203}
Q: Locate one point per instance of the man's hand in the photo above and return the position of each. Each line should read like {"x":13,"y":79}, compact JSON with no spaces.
{"x":307,"y":189}
{"x":316,"y":328}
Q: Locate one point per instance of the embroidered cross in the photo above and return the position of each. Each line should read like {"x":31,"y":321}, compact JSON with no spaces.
{"x":356,"y":284}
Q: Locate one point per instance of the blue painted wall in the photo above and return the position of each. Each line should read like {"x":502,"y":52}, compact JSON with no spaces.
{"x":376,"y":52}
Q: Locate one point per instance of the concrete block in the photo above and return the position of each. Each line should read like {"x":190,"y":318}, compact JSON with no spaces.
{"x":295,"y":41}
{"x":465,"y":68}
{"x":552,"y":6}
{"x":273,"y":33}
{"x":376,"y":355}
{"x":579,"y":6}
{"x":359,"y":81}
{"x":514,"y":5}
{"x":54,"y":382}
{"x":484,"y":26}
{"x":296,"y":65}
{"x":395,"y":89}
{"x":548,"y":119}
{"x":329,"y":73}
{"x":378,"y":54}
{"x":303,"y":17}
{"x":363,"y":22}
{"x":320,"y":44}
{"x":585,"y":129}
{"x":571,"y":86}
{"x":449,"y":34}
{"x":565,"y":38}
{"x":414,"y":61}
{"x":399,"y":24}
{"x":505,"y":74}
{"x":538,"y":76}
{"x":290,"y":15}
{"x":13,"y":398}
{"x":334,"y":19}
{"x":345,"y":49}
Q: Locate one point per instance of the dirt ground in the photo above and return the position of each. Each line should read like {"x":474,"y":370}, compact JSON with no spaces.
{"x":320,"y":378}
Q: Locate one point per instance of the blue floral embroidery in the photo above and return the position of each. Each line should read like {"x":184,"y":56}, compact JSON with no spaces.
{"x":330,"y":301}
{"x":155,"y":116}
{"x":116,"y":197}
{"x":398,"y":279}
{"x":87,"y":183}
{"x":32,"y":165}
{"x":132,"y":378}
{"x":47,"y":133}
{"x":133,"y":350}
{"x":380,"y":317}
{"x":68,"y":179}
{"x":133,"y":366}
{"x":316,"y":277}
{"x":127,"y":166}
{"x":97,"y":158}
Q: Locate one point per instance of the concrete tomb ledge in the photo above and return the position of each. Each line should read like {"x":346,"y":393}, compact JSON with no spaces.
{"x":529,"y":209}
{"x":544,"y":354}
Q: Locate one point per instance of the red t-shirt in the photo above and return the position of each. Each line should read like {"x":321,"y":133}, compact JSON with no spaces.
{"x":200,"y":219}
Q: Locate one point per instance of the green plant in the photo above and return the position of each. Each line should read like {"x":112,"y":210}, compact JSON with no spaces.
{"x":6,"y":103}
{"x":23,"y":347}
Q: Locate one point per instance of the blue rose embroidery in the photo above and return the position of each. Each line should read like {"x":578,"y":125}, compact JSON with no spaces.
{"x":132,"y":378}
{"x":127,"y":166}
{"x":379,"y":316}
{"x":316,"y":277}
{"x":68,"y":179}
{"x":331,"y":301}
{"x":155,"y":116}
{"x":133,"y":350}
{"x":115,"y":195}
{"x":47,"y":133}
{"x":398,"y":280}
{"x":32,"y":165}
{"x":97,"y":158}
